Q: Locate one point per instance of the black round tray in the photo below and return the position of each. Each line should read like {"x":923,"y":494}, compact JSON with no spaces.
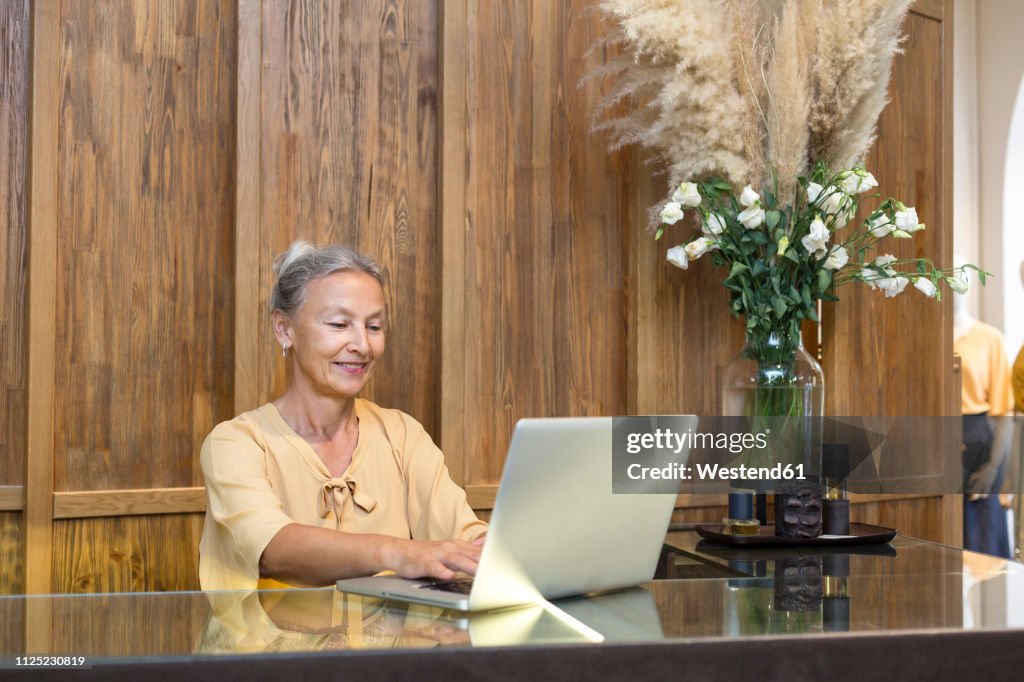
{"x":860,"y":534}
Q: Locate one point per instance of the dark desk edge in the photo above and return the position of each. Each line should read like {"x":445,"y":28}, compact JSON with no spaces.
{"x":939,"y":655}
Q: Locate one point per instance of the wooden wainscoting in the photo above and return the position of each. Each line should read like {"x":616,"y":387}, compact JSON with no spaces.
{"x":157,"y":155}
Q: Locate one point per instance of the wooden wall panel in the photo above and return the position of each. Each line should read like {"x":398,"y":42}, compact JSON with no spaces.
{"x":12,"y":575}
{"x":14,"y":65}
{"x":127,"y":553}
{"x":349,"y":142}
{"x":145,"y":240}
{"x":543,"y":299}
{"x":878,"y":358}
{"x":451,"y":140}
{"x":895,"y":356}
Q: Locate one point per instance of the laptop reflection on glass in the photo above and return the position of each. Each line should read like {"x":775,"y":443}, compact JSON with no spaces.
{"x":557,"y":529}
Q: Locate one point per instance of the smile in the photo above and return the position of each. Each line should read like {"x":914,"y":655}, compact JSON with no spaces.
{"x":352,"y":367}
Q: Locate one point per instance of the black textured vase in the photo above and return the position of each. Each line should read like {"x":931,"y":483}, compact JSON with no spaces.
{"x":798,"y":508}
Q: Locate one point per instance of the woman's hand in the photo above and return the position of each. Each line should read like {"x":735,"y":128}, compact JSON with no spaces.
{"x":431,"y":558}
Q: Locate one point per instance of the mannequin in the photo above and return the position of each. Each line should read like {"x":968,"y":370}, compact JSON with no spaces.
{"x":986,"y":402}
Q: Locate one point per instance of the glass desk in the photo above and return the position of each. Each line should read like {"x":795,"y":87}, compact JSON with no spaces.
{"x":711,"y":606}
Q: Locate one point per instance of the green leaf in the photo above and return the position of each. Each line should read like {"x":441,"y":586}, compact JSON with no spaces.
{"x":737,"y":269}
{"x":791,"y":255}
{"x":812,"y":314}
{"x":657,"y":235}
{"x":780,"y":305}
{"x":772,"y":219}
{"x":824,"y":280}
{"x":758,"y":237}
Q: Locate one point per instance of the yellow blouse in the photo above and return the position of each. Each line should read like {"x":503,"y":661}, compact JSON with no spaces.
{"x":1018,"y":381}
{"x":985,"y":371}
{"x":261,"y":476}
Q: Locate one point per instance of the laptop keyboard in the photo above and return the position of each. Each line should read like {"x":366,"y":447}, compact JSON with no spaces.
{"x":459,"y":586}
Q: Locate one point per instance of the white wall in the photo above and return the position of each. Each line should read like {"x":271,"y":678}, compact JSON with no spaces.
{"x":966,"y":240}
{"x":1000,"y":67}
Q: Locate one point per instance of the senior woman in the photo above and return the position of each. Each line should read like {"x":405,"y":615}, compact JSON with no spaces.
{"x":321,"y":484}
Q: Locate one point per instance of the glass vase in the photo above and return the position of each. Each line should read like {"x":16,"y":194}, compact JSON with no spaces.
{"x":776,"y":384}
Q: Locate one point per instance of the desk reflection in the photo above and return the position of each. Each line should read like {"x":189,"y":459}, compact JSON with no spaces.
{"x":311,"y":620}
{"x":708,"y":592}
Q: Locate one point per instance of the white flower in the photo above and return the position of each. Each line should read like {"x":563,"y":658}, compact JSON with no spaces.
{"x":925,"y":286}
{"x":834,"y":201}
{"x":816,"y":240}
{"x":687,"y":195}
{"x":873,"y":278}
{"x":907,"y":220}
{"x":672,"y":213}
{"x":751,"y":217}
{"x":699,"y":246}
{"x":813,"y":192}
{"x":677,"y":257}
{"x":749,"y":197}
{"x":843,"y":218}
{"x":714,"y":224}
{"x":858,"y":182}
{"x":879,"y":226}
{"x":958,"y":283}
{"x":837,"y":258}
{"x":892,"y":285}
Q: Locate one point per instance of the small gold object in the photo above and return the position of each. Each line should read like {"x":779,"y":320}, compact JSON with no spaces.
{"x":740,"y":526}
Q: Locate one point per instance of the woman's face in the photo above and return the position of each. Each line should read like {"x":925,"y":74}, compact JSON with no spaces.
{"x":337,"y":333}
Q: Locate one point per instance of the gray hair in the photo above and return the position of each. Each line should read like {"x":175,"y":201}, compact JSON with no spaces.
{"x":302,"y":263}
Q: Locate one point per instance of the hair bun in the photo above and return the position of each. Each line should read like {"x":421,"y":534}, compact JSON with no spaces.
{"x":298,"y":249}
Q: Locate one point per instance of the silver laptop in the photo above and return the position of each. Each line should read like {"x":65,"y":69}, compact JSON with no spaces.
{"x":557,"y":530}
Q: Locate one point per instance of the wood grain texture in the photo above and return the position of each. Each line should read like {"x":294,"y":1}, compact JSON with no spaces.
{"x":81,"y":504}
{"x":127,"y":554}
{"x":541,"y":234}
{"x":12,"y":497}
{"x":129,"y":625}
{"x":453,"y":159}
{"x":878,"y":356}
{"x":14,"y":72}
{"x":895,"y":356}
{"x":146,"y":251}
{"x":12,"y":558}
{"x":42,"y":295}
{"x":12,"y":635}
{"x":919,"y":518}
{"x":933,"y":9}
{"x":247,"y":207}
{"x":349,"y":155}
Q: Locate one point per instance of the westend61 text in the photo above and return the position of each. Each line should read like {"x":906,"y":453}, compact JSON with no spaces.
{"x":715,"y":472}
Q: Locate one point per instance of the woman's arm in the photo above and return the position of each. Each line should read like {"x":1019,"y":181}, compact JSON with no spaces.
{"x":301,"y":554}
